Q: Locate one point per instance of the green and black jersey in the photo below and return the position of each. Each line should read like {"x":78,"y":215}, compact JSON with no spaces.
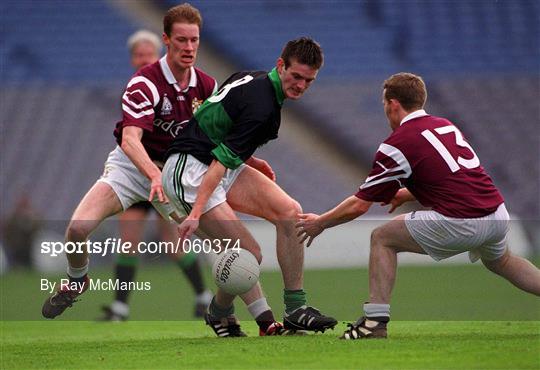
{"x":242,"y":115}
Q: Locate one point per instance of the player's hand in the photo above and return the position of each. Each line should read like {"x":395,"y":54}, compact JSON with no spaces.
{"x":156,"y":189}
{"x":402,"y":196}
{"x":309,"y":226}
{"x":188,"y":227}
{"x":263,"y":167}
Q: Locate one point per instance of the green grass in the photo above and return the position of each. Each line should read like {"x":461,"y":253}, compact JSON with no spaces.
{"x":412,"y":345}
{"x":443,"y":317}
{"x":442,"y":292}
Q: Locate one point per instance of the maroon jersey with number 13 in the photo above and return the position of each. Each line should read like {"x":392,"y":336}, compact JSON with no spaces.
{"x":429,"y":156}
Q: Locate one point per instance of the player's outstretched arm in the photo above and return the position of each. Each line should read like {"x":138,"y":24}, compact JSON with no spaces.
{"x":132,"y":146}
{"x":310,"y":225}
{"x":402,"y":196}
{"x":210,"y":181}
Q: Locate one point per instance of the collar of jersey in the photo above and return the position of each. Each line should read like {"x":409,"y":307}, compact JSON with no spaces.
{"x":276,"y":82}
{"x":170,"y":77}
{"x":413,"y":115}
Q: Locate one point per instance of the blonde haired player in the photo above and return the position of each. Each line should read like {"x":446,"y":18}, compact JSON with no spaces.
{"x":156,"y":104}
{"x":145,"y":48}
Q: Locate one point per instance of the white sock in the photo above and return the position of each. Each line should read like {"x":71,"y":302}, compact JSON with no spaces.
{"x":205,"y":297}
{"x":258,"y":307}
{"x":120,"y":308}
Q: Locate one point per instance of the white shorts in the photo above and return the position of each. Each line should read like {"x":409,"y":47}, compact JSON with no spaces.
{"x":182,"y":177}
{"x":442,"y":237}
{"x":129,"y":184}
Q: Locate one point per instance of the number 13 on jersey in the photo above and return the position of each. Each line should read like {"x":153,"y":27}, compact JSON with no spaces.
{"x":453,"y":163}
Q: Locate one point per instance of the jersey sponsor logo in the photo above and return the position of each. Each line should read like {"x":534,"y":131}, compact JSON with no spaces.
{"x":195,"y":104}
{"x":172,"y":127}
{"x":180,"y":98}
{"x":166,"y":107}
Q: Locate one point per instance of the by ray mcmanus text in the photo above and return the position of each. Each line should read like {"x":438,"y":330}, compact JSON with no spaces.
{"x":95,"y":284}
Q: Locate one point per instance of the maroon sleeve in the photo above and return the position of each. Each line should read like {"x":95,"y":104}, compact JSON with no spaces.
{"x":390,"y":168}
{"x":138,"y":102}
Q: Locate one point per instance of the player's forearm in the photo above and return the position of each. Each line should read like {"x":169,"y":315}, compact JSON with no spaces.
{"x":132,"y":146}
{"x":346,"y":211}
{"x":210,"y":181}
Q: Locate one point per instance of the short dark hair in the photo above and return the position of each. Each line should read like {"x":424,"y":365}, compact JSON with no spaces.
{"x":305,"y":51}
{"x":407,"y":88}
{"x":183,"y":13}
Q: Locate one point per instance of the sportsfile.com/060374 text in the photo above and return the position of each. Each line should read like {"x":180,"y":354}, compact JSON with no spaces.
{"x":113,"y":245}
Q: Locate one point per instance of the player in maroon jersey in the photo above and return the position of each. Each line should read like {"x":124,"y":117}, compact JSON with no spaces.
{"x":158,"y":102}
{"x":425,"y":158}
{"x":145,"y":49}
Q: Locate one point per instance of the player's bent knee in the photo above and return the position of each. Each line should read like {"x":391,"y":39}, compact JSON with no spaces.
{"x":294,"y":209}
{"x":288,"y":210}
{"x":376,"y":236}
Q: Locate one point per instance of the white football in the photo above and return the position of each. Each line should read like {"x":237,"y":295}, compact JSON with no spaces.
{"x":236,"y":271}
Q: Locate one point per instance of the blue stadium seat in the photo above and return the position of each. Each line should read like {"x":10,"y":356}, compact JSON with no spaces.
{"x":63,"y":64}
{"x":63,"y":41}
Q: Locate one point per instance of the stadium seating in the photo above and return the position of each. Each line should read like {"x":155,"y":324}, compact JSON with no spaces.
{"x":65,"y":63}
{"x":55,"y":146}
{"x":61,"y":101}
{"x":58,"y":159}
{"x":481,"y":61}
{"x":372,"y":38}
{"x":63,"y":41}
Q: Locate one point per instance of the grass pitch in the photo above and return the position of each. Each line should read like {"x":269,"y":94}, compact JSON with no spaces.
{"x":412,"y":345}
{"x":443,"y":317}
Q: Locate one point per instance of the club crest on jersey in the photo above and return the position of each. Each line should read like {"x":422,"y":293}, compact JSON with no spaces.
{"x":195,"y":104}
{"x":166,"y":107}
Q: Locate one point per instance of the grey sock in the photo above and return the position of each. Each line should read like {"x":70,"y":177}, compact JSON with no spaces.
{"x":218,"y":311}
{"x":377,"y":311}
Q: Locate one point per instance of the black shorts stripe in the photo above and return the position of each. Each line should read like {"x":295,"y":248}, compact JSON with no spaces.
{"x":178,"y":188}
